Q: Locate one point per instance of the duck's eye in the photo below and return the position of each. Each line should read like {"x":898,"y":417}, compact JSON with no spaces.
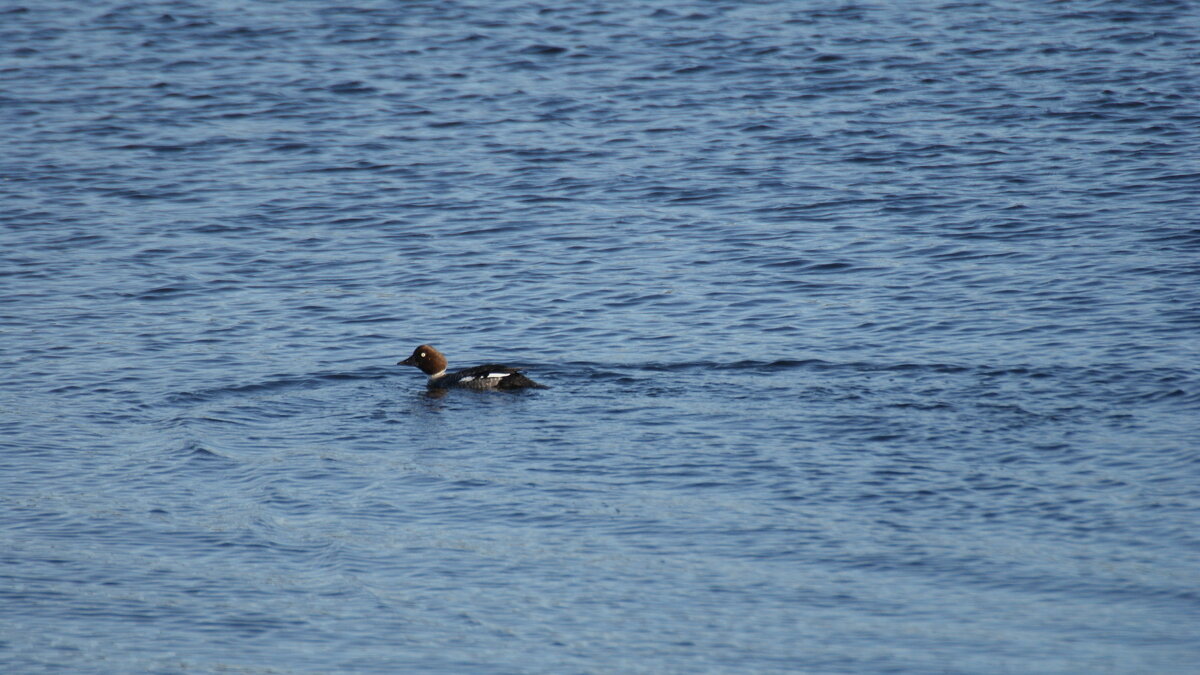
{"x":422,"y":354}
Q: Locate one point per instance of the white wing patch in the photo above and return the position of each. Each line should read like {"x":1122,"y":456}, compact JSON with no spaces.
{"x":488,"y":380}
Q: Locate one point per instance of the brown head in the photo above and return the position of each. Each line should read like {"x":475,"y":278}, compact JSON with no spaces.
{"x":429,"y":360}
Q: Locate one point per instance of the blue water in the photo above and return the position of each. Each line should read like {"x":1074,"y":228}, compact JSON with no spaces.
{"x":872,"y":333}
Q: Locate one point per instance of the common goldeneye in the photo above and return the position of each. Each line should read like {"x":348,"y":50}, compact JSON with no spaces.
{"x":491,"y":376}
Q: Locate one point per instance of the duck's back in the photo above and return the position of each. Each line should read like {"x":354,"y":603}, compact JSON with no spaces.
{"x":490,"y":376}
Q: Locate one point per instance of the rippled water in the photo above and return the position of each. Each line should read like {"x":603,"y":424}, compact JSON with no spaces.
{"x":871,"y":331}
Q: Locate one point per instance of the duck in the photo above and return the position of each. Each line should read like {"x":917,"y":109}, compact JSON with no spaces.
{"x":489,"y":376}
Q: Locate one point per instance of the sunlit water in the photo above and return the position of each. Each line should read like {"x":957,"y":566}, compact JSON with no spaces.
{"x":871,"y":331}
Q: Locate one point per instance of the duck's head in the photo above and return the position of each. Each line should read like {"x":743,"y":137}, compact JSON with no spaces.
{"x":429,"y":360}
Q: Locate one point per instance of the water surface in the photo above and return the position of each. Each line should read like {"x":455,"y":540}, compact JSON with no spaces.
{"x":871,"y":330}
